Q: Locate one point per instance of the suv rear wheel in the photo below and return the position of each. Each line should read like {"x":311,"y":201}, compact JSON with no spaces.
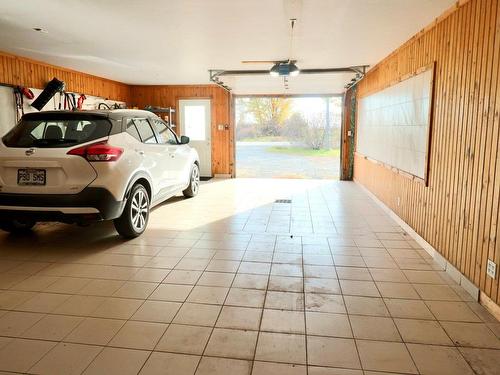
{"x":194,"y":182}
{"x":135,"y":215}
{"x":15,"y":226}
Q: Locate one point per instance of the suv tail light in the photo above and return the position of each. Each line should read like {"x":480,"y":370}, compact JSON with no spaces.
{"x":98,"y":152}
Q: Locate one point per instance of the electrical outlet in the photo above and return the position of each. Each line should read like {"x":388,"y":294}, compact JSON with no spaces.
{"x":399,"y":201}
{"x":491,"y":269}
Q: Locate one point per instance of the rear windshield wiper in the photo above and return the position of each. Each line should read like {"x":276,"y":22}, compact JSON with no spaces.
{"x":53,"y":141}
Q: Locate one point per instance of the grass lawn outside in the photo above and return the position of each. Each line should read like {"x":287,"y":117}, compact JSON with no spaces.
{"x":304,"y":151}
{"x":270,"y":138}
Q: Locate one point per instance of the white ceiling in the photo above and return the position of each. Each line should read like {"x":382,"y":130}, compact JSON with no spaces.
{"x":177,"y":41}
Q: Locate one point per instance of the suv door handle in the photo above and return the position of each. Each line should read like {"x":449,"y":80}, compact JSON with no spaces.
{"x":140,"y":152}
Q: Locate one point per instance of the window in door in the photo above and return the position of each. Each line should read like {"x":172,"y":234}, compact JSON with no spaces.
{"x":132,"y":130}
{"x":165,"y":135}
{"x":145,"y":131}
{"x":194,"y":122}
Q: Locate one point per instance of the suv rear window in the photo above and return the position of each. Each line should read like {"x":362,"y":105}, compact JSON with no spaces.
{"x":56,"y":132}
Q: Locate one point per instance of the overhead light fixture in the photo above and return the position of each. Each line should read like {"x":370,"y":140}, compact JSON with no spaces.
{"x":275,"y":70}
{"x":284,"y":69}
{"x":293,"y":70}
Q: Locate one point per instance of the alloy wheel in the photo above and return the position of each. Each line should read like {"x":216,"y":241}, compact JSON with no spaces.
{"x":139,"y":210}
{"x":195,"y":179}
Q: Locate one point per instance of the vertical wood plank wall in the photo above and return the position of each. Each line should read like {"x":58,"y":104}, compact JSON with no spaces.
{"x":166,"y":96}
{"x":15,"y":70}
{"x":458,"y":212}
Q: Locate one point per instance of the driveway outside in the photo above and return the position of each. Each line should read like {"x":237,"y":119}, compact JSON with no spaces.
{"x":254,"y":159}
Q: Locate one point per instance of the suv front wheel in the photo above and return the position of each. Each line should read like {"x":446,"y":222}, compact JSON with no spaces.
{"x":134,"y":219}
{"x":194,"y":182}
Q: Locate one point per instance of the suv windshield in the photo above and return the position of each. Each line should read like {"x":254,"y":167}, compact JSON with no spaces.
{"x":56,"y":131}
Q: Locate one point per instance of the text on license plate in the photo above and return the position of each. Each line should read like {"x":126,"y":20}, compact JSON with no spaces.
{"x":31,"y":176}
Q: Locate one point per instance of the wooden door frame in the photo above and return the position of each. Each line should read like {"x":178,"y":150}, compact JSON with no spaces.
{"x":348,"y":141}
{"x":232,"y":134}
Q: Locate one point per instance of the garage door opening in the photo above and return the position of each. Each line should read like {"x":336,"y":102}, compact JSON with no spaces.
{"x":288,"y":137}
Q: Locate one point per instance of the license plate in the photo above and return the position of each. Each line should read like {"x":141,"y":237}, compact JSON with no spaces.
{"x":31,"y":176}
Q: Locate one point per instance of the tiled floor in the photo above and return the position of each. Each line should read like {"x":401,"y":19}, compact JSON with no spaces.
{"x":232,"y":283}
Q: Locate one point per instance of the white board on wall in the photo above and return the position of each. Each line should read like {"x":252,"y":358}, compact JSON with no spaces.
{"x":394,"y":124}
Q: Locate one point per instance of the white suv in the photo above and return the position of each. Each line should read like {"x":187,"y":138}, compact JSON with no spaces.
{"x":77,"y":167}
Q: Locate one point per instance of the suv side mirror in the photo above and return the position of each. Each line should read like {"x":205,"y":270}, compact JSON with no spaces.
{"x":184,"y":140}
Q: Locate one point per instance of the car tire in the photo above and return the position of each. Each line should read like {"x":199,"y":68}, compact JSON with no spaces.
{"x":194,"y":182}
{"x":134,"y":219}
{"x":16,"y":226}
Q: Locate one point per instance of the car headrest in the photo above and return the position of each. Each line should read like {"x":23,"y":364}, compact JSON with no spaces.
{"x":53,"y":132}
{"x":89,"y":128}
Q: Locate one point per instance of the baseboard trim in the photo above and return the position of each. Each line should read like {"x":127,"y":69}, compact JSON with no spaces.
{"x":454,"y":273}
{"x":491,"y":306}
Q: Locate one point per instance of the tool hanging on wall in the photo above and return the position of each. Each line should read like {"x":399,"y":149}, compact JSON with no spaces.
{"x":27,"y":92}
{"x":80,"y":101}
{"x":108,"y":106}
{"x":20,"y":93}
{"x":70,"y":101}
{"x":61,"y":100}
{"x":103,"y":106}
{"x":18,"y":99}
{"x":48,"y":92}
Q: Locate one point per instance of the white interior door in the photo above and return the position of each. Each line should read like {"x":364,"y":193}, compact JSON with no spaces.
{"x":195,"y":120}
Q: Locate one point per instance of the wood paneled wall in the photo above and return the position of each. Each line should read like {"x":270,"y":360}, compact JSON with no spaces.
{"x":458,"y":213}
{"x":15,"y":70}
{"x":168,"y":96}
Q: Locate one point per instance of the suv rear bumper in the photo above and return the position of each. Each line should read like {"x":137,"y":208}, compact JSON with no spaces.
{"x":92,"y":203}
